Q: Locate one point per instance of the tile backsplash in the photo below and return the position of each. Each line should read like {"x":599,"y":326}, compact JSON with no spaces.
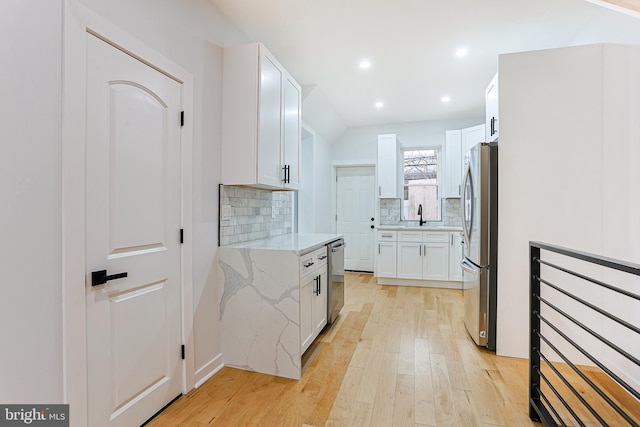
{"x":251,"y":214}
{"x":390,"y":213}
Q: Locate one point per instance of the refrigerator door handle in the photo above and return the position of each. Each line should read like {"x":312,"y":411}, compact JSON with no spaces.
{"x":469,"y":266}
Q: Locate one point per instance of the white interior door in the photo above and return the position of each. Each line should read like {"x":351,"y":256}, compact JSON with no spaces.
{"x":133,"y":226}
{"x":355,"y":209}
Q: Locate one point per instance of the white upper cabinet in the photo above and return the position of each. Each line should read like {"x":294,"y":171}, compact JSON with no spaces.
{"x":261,"y":123}
{"x":453,"y":163}
{"x":471,"y":137}
{"x":389,"y":167}
{"x":491,"y":109}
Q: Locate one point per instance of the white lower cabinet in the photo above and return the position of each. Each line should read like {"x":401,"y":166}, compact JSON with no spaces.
{"x":455,"y":256}
{"x":410,"y":260}
{"x":386,"y":259}
{"x":319,"y":309}
{"x":419,"y":255}
{"x":313,"y":296}
{"x":436,"y":261}
{"x":306,"y":315}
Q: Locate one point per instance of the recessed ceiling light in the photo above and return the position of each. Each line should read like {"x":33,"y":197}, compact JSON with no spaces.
{"x":365,"y":64}
{"x":461,"y":52}
{"x":379,"y":104}
{"x":446,"y":98}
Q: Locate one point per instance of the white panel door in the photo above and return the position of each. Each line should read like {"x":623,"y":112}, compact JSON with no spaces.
{"x":355,"y":210}
{"x":133,"y":226}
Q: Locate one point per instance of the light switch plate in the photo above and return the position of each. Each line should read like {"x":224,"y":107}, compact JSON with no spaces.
{"x":226,"y":211}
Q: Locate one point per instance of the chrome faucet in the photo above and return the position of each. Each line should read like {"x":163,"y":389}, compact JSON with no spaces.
{"x":420,"y":213}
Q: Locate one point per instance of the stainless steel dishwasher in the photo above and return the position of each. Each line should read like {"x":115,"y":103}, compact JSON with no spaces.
{"x":335,"y":267}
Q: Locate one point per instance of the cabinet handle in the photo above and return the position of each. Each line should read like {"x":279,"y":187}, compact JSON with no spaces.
{"x":387,"y":235}
{"x":420,"y":250}
{"x":452,"y":239}
{"x":379,"y":190}
{"x":309,"y":264}
{"x":319,"y":284}
{"x":321,"y":257}
{"x":459,"y":193}
{"x":378,"y":248}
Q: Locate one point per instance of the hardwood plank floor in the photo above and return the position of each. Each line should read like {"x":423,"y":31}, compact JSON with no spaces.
{"x":397,"y":356}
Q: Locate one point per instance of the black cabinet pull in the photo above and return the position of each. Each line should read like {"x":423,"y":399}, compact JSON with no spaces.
{"x":319,"y":284}
{"x":309,"y":264}
{"x":100,"y":277}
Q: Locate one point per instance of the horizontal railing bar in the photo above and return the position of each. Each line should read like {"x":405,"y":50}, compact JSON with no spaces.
{"x":627,"y":267}
{"x":586,"y":379}
{"x":573,"y":390}
{"x":590,"y":279}
{"x":564,"y":402}
{"x":591,"y":306}
{"x":592,"y":332}
{"x":558,"y":417}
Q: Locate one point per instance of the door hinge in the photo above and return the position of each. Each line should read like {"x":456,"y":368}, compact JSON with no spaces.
{"x":181,"y":118}
{"x":182,"y":350}
{"x":182,"y":235}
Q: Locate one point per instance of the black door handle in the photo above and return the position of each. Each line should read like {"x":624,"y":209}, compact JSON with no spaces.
{"x":373,"y":226}
{"x":371,"y":219}
{"x":100,"y":277}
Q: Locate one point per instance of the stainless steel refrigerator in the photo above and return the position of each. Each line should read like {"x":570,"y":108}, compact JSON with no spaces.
{"x":480,"y":229}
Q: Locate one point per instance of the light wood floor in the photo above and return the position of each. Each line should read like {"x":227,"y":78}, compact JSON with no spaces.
{"x":398,"y":356}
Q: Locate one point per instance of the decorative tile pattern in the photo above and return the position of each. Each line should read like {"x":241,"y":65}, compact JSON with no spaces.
{"x":251,"y":210}
{"x":390,"y":213}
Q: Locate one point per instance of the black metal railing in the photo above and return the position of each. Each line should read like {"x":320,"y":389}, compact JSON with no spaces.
{"x":546,"y":381}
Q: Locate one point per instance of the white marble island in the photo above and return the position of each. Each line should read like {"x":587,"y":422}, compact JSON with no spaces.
{"x":260,"y":316}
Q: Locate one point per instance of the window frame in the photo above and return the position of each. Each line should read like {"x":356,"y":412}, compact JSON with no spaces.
{"x":439,"y":180}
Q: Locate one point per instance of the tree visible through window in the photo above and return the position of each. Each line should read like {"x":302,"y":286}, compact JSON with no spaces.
{"x":420,"y":169}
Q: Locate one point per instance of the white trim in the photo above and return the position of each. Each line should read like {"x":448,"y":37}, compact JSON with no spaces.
{"x":442,"y":284}
{"x":208,"y":370}
{"x":77,"y":21}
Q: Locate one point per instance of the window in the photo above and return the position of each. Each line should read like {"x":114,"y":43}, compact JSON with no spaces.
{"x":421,"y":184}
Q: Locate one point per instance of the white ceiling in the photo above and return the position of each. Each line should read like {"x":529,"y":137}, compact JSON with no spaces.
{"x":412,"y":44}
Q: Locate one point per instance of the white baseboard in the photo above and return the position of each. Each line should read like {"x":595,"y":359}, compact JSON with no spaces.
{"x":419,"y":283}
{"x":208,"y":370}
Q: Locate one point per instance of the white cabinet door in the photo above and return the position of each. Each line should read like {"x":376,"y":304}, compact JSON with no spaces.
{"x":261,"y":119}
{"x":455,"y":256}
{"x":471,"y":137}
{"x":320,"y":301}
{"x":453,"y":163}
{"x":386,"y":266}
{"x":270,"y":122}
{"x":389,"y":167}
{"x":307,"y":287}
{"x":491,"y":109}
{"x":410,"y":260}
{"x":436,"y":261}
{"x":292,"y":132}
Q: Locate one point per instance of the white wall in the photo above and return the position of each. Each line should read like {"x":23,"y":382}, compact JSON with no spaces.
{"x":567,"y":176}
{"x":30,"y":174}
{"x":314,"y":197}
{"x":190,"y":32}
{"x":361,"y":143}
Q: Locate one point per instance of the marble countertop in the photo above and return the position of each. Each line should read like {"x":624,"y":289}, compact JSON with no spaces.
{"x":423,"y":228}
{"x":296,"y":242}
